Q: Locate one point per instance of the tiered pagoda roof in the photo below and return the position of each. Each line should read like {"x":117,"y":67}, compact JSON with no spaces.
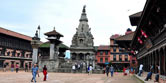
{"x":53,"y":33}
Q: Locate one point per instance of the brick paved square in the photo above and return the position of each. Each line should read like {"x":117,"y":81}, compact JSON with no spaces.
{"x":25,"y":77}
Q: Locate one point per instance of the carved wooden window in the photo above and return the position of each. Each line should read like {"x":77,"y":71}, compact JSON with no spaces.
{"x":126,"y":57}
{"x":101,"y":53}
{"x":114,"y":49}
{"x":101,"y":60}
{"x":106,"y":52}
{"x":114,"y":57}
{"x":120,"y":57}
{"x":106,"y":59}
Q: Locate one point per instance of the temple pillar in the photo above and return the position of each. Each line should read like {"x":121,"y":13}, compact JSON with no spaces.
{"x":52,"y":50}
{"x":164,"y":64}
{"x":165,"y":60}
{"x":84,"y":57}
{"x":34,"y":56}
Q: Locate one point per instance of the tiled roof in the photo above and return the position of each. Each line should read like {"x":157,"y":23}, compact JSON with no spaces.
{"x":47,"y":45}
{"x":54,"y":32}
{"x":14,"y":34}
{"x":138,"y":14}
{"x":114,"y":36}
{"x":135,"y":18}
{"x":103,"y":47}
{"x":128,"y":36}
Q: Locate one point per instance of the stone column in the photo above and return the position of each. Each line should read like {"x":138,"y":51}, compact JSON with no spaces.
{"x":93,"y":64}
{"x":84,"y":57}
{"x":52,"y":50}
{"x":56,"y":52}
{"x":93,"y":61}
{"x":34,"y":56}
{"x":35,"y":44}
{"x":87,"y":61}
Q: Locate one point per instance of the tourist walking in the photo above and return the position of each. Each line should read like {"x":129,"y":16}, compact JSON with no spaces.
{"x":140,"y":70}
{"x":107,"y":70}
{"x":4,"y":68}
{"x":17,"y":68}
{"x":112,"y":70}
{"x":12,"y":67}
{"x":34,"y":72}
{"x":38,"y":70}
{"x":73,"y":68}
{"x":90,"y":69}
{"x":26,"y":67}
{"x":45,"y":72}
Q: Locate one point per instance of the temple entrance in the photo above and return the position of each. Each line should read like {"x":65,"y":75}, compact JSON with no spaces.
{"x":22,"y":64}
{"x":1,"y":63}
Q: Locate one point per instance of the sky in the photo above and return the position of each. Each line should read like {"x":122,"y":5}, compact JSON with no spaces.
{"x":105,"y":17}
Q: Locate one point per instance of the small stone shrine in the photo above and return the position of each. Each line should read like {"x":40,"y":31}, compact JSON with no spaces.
{"x":51,"y":59}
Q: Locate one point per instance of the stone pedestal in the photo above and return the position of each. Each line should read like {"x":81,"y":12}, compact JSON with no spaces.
{"x":52,"y":65}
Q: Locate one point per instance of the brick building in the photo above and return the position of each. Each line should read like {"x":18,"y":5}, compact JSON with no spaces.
{"x":103,"y":55}
{"x":124,"y":42}
{"x":15,"y":48}
{"x":118,"y":56}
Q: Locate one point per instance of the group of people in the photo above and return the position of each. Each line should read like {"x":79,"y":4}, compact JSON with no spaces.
{"x":149,"y":74}
{"x":127,"y":70}
{"x":35,"y":71}
{"x":16,"y":67}
{"x":109,"y":69}
{"x":77,"y":67}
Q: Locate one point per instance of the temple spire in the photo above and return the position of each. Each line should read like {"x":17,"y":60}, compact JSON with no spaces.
{"x":84,"y":8}
{"x":83,"y":15}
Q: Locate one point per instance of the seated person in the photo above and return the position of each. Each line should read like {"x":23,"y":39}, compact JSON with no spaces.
{"x":157,"y":75}
{"x":149,"y":75}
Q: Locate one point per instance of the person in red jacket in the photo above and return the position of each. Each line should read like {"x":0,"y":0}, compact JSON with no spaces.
{"x":124,"y":71}
{"x":44,"y":72}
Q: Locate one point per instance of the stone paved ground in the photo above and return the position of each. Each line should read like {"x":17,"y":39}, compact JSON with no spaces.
{"x":24,"y":77}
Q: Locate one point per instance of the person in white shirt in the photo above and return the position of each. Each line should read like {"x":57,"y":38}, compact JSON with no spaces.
{"x":90,"y":70}
{"x":73,"y":68}
{"x":140,"y":69}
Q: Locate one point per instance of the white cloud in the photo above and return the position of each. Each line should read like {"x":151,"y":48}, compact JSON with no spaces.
{"x":106,"y":17}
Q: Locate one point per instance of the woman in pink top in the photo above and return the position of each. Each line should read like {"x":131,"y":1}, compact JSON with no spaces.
{"x":12,"y":67}
{"x":17,"y":67}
